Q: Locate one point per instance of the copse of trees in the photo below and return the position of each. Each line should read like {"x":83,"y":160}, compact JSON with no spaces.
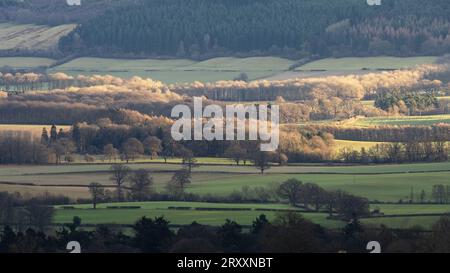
{"x":387,"y":133}
{"x":312,"y":196}
{"x":21,"y":148}
{"x":407,"y":103}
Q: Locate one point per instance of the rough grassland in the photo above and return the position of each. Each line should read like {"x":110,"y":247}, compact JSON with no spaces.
{"x":402,"y":120}
{"x":178,"y":70}
{"x":370,"y":63}
{"x":35,"y":37}
{"x":25,"y":62}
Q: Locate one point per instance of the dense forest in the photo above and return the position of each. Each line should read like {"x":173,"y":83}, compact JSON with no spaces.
{"x":204,"y":28}
{"x":54,"y":12}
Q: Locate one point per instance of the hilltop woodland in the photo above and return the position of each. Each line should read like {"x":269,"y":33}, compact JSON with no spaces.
{"x":292,"y":28}
{"x":203,"y":29}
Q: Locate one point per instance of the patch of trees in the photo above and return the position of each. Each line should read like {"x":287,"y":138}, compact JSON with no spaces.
{"x":406,"y":103}
{"x":386,"y":133}
{"x":311,"y":196}
{"x":398,"y":153}
{"x":204,"y":28}
{"x":21,"y":213}
{"x":22,"y":148}
{"x":441,"y":194}
{"x":342,"y":87}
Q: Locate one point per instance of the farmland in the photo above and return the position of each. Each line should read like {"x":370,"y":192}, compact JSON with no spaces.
{"x":353,"y":145}
{"x":228,"y":68}
{"x":28,"y":36}
{"x":401,"y":120}
{"x":365,"y":63}
{"x":182,"y":213}
{"x":178,"y":70}
{"x":382,"y":182}
{"x":203,"y":213}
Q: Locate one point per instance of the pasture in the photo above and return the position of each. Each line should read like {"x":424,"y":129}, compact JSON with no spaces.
{"x":381,"y":182}
{"x":215,"y":214}
{"x":177,"y":70}
{"x":365,"y":63}
{"x":25,"y":62}
{"x":203,"y":213}
{"x":401,"y":120}
{"x":339,"y":145}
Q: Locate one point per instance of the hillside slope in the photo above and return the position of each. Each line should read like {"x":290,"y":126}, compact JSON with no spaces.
{"x":291,"y":27}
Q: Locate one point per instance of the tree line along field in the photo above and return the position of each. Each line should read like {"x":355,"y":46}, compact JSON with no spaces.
{"x":399,"y":120}
{"x":212,"y":70}
{"x":178,"y":70}
{"x":388,"y":183}
{"x":182,"y":213}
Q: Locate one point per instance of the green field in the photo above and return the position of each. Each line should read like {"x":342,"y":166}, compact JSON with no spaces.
{"x":369,"y":63}
{"x":178,"y":70}
{"x":27,"y":36}
{"x":424,"y":222}
{"x":402,"y":120}
{"x":105,"y":215}
{"x":181,"y":217}
{"x":25,"y":62}
{"x":373,"y":182}
{"x":339,"y":145}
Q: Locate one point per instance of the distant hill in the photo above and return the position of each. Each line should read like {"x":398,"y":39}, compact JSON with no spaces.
{"x":192,"y":28}
{"x":54,"y":12}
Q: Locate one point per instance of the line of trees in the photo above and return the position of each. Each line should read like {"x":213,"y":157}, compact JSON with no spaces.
{"x":397,"y":153}
{"x":288,"y":232}
{"x":387,"y":133}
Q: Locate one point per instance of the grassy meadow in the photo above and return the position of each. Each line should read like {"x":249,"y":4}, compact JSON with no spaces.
{"x":366,"y":63}
{"x":216,"y":213}
{"x":401,"y":120}
{"x":178,"y":70}
{"x":25,"y":62}
{"x":381,"y":182}
{"x":192,"y":211}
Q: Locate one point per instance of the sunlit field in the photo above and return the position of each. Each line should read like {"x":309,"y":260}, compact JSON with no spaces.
{"x":178,"y":70}
{"x":402,"y":120}
{"x":367,"y":63}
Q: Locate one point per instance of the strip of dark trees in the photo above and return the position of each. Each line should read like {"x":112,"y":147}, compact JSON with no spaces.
{"x":287,"y":233}
{"x":386,"y":133}
{"x":398,"y":153}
